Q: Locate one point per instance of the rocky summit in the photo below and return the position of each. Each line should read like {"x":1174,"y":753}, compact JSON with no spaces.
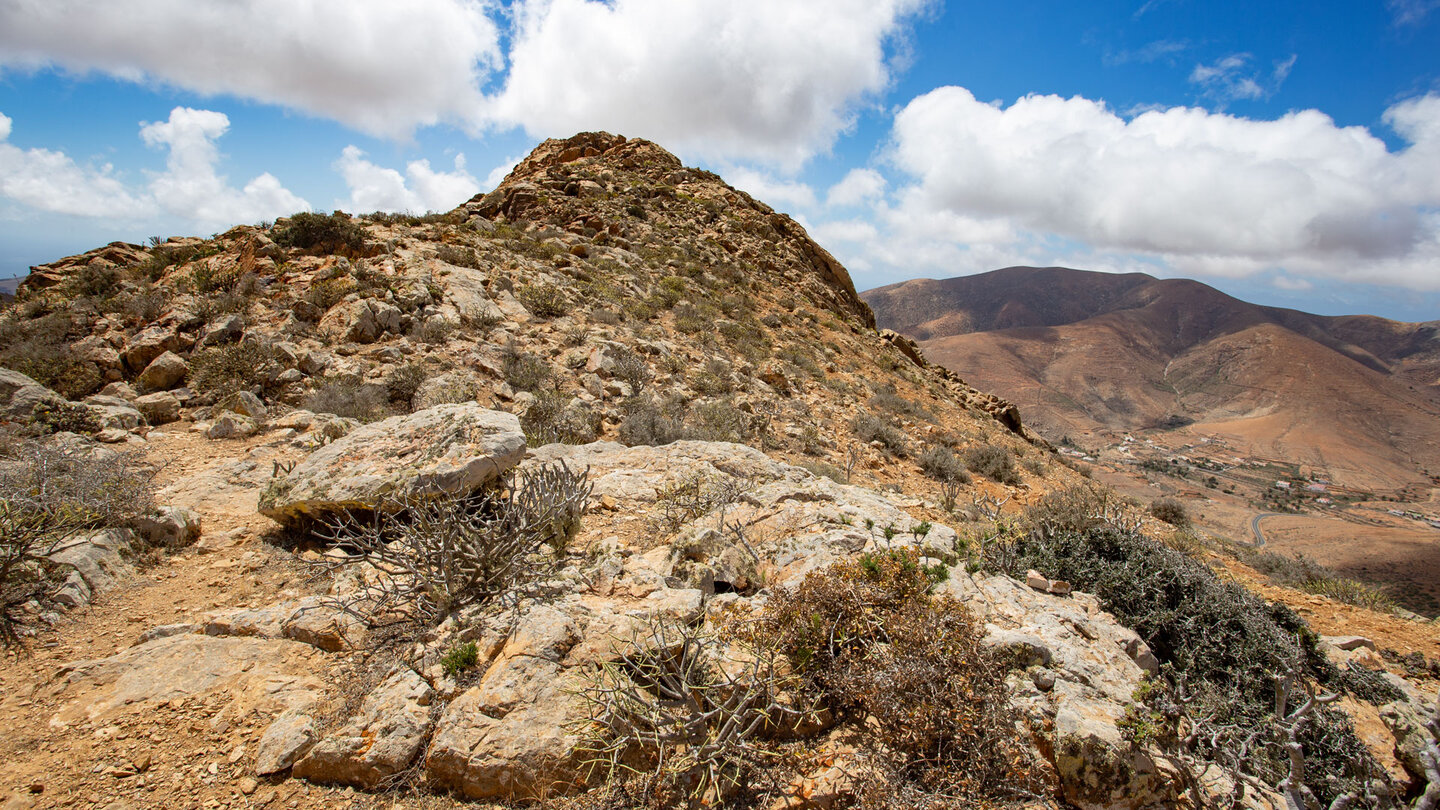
{"x":604,"y":490}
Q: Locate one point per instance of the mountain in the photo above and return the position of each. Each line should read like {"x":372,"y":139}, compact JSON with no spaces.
{"x":1081,"y":351}
{"x":601,"y":490}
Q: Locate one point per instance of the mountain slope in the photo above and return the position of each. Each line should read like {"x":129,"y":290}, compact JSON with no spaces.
{"x":1081,"y":351}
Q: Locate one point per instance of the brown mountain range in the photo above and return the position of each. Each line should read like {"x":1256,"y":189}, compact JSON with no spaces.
{"x":1357,"y":396}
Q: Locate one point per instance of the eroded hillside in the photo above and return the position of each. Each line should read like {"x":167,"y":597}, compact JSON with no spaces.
{"x":603,"y":490}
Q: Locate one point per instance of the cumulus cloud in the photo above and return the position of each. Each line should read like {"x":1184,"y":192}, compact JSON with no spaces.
{"x":749,"y":79}
{"x":771,"y":190}
{"x":50,"y":181}
{"x":420,"y":189}
{"x":381,"y":66}
{"x":855,"y":188}
{"x":192,"y":188}
{"x":1198,"y":192}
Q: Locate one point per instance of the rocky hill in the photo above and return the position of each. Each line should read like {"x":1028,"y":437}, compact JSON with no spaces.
{"x":603,"y":490}
{"x":1078,"y":351}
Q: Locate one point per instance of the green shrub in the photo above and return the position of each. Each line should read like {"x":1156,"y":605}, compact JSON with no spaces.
{"x":403,"y":381}
{"x":994,"y":462}
{"x":522,"y":370}
{"x":1218,"y":644}
{"x":335,"y":233}
{"x":460,"y":658}
{"x":65,"y":417}
{"x":545,"y":300}
{"x":554,"y":417}
{"x":652,"y":423}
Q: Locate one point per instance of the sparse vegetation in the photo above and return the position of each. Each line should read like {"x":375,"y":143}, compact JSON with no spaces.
{"x":435,"y":557}
{"x":1170,"y":511}
{"x":546,"y":300}
{"x":47,"y":496}
{"x":224,"y":370}
{"x":1220,"y":646}
{"x":871,"y":428}
{"x":1304,"y":573}
{"x":349,"y":397}
{"x":940,"y":463}
{"x":994,"y":462}
{"x":321,"y":233}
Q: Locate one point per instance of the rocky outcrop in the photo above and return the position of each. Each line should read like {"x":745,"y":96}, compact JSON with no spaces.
{"x":448,"y":449}
{"x":382,"y":740}
{"x":19,"y":395}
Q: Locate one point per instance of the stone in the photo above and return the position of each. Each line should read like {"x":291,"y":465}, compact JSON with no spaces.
{"x":381,"y":740}
{"x":1098,"y":770}
{"x":1348,"y":643}
{"x":513,"y":734}
{"x":148,"y":344}
{"x":222,"y":330}
{"x":164,"y":372}
{"x":246,"y":403}
{"x":445,"y":450}
{"x":160,"y":408}
{"x":168,"y":526}
{"x":353,"y":322}
{"x":120,"y":390}
{"x":445,"y":389}
{"x":285,"y":741}
{"x":19,"y":395}
{"x":1037,"y":580}
{"x":98,"y":560}
{"x":231,"y":426}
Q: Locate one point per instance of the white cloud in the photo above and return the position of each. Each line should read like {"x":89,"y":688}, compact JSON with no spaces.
{"x":1410,"y":12}
{"x":191,"y":187}
{"x":1231,"y":78}
{"x":420,"y":189}
{"x":1056,"y":180}
{"x":1291,"y":284}
{"x":746,"y":79}
{"x":857,"y":187}
{"x":770,"y":190}
{"x":381,"y":66}
{"x":50,"y":181}
{"x":499,"y":173}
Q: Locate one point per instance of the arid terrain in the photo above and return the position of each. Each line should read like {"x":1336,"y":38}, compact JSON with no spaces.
{"x":603,"y":490}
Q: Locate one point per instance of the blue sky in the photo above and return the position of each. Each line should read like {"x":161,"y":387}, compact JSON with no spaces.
{"x":1286,"y":152}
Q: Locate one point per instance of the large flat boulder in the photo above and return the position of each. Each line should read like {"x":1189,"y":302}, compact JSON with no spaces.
{"x":448,"y":449}
{"x":19,"y":395}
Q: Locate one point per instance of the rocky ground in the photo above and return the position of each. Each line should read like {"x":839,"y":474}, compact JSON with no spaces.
{"x":604,"y":292}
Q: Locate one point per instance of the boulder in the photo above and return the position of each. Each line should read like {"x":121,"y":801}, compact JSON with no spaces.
{"x":360,"y":321}
{"x":381,"y":740}
{"x":231,"y":426}
{"x":148,"y":344}
{"x":445,"y":450}
{"x":286,"y":740}
{"x":19,"y":395}
{"x":159,"y":408}
{"x":164,"y":372}
{"x":445,"y":389}
{"x":97,"y":561}
{"x":168,"y":526}
{"x":246,"y":404}
{"x":225,"y":329}
{"x":512,"y":735}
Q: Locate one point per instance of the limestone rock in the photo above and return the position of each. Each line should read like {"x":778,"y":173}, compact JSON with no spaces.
{"x":168,"y":526}
{"x":511,"y":735}
{"x":98,"y":559}
{"x":148,"y":344}
{"x":287,"y":739}
{"x":160,"y":408}
{"x":448,"y":449}
{"x":225,"y":329}
{"x":360,"y":321}
{"x":19,"y":395}
{"x":164,"y":372}
{"x":231,"y":426}
{"x":381,"y":740}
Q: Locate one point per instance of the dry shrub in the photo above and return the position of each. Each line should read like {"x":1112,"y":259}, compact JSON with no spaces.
{"x":994,"y":462}
{"x":229,"y":369}
{"x":554,"y":417}
{"x":907,"y":672}
{"x":335,"y":233}
{"x":872,"y":428}
{"x":349,"y":397}
{"x":940,"y":463}
{"x":1170,"y":511}
{"x":424,"y":560}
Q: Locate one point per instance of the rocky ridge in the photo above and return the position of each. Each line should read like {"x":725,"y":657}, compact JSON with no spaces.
{"x":609,"y":272}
